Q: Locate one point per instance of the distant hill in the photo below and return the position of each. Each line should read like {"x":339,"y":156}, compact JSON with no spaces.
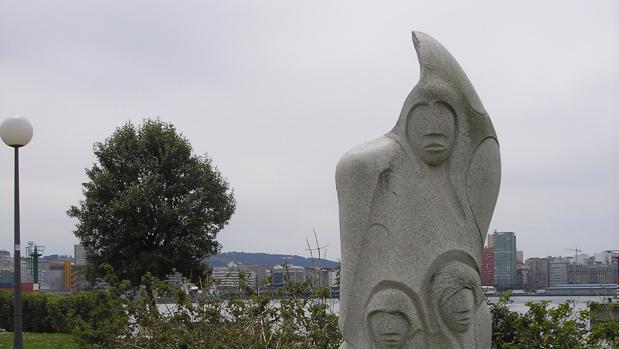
{"x":268,"y":260}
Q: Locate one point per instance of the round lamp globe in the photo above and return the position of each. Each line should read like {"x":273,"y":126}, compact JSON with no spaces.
{"x":16,"y":131}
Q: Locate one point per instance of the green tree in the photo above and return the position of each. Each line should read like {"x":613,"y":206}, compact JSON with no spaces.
{"x":150,"y":204}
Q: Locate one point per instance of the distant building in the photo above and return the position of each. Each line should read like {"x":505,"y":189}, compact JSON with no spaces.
{"x":6,"y":279}
{"x":520,"y":257}
{"x":595,"y":274}
{"x":603,"y":257}
{"x":78,"y":279}
{"x":487,"y":267}
{"x":262,"y":274}
{"x":522,"y":276}
{"x":56,"y":258}
{"x":582,"y":258}
{"x":326,"y":277}
{"x":490,"y":242}
{"x":287,"y":273}
{"x":80,"y":255}
{"x":26,"y":271}
{"x":504,"y":262}
{"x":557,"y":271}
{"x":333,"y":278}
{"x":6,"y":262}
{"x":537,"y":275}
{"x":229,"y":277}
{"x":58,"y":278}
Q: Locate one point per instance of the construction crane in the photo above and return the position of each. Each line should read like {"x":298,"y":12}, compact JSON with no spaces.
{"x":576,"y":250}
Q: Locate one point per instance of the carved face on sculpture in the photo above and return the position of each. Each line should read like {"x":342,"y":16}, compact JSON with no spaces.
{"x":392,"y":320}
{"x":458,"y":295}
{"x":431,"y":131}
{"x":389,"y":330}
{"x":458,"y":310}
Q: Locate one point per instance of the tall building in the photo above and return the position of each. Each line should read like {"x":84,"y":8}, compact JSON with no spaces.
{"x":520,"y":257}
{"x":487,"y":267}
{"x":504,"y":260}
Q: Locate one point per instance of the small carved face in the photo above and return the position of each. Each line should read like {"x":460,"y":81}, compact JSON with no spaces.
{"x":389,"y":330}
{"x":431,"y":132}
{"x":458,"y":310}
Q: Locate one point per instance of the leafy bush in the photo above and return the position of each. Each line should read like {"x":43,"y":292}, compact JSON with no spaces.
{"x":543,"y":326}
{"x":295,"y":316}
{"x":255,"y":321}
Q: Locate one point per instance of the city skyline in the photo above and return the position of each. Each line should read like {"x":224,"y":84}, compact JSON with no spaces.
{"x":572,"y":256}
{"x":276,"y":93}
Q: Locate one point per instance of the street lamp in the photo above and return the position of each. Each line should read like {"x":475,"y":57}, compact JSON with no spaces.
{"x":16,"y":132}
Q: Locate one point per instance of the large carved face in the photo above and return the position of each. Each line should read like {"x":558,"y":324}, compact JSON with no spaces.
{"x":458,"y":310}
{"x":431,"y":131}
{"x":389,"y":330}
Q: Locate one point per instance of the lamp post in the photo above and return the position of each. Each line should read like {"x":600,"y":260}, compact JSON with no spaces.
{"x":16,"y":132}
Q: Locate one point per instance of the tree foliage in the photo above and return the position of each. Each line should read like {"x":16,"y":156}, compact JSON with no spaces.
{"x":150,"y":204}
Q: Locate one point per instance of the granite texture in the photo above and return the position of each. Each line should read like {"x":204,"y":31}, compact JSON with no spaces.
{"x":415,"y":206}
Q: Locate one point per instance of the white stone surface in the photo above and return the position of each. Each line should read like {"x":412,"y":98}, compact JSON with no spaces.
{"x":415,"y":206}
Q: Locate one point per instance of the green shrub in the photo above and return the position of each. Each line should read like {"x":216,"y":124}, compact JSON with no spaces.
{"x":36,"y":316}
{"x":295,"y":316}
{"x":543,"y":326}
{"x":6,"y":310}
{"x":90,"y":313}
{"x":254,"y":321}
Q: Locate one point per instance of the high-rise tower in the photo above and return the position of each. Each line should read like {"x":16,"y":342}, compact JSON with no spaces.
{"x":504,"y":260}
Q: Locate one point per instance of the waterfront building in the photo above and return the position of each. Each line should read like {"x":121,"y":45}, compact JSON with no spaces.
{"x":262,"y":274}
{"x":327,"y":277}
{"x":487,"y":267}
{"x":522,"y":276}
{"x":596,"y":274}
{"x":287,"y":273}
{"x":557,"y":271}
{"x":538,"y":274}
{"x":229,"y":276}
{"x":504,"y":262}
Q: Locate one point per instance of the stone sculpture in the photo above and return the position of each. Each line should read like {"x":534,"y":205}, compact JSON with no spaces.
{"x":415,"y":206}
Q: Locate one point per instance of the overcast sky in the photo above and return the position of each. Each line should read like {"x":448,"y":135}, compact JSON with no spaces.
{"x":277,"y":91}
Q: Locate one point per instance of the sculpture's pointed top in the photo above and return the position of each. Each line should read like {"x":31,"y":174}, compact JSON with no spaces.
{"x":434,"y":57}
